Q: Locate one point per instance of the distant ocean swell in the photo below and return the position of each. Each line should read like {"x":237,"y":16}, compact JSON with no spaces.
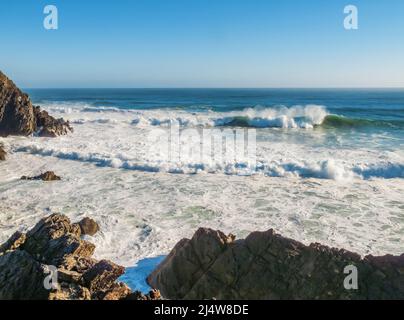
{"x":304,"y":117}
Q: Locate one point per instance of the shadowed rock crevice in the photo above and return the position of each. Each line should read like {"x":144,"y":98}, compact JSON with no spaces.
{"x":19,"y":117}
{"x":266,"y":265}
{"x":55,"y":244}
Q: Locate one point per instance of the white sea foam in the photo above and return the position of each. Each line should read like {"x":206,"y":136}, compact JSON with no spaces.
{"x":296,"y":117}
{"x":322,"y":169}
{"x":282,"y":117}
{"x":307,"y":184}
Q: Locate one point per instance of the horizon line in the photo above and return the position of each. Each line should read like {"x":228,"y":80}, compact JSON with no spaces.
{"x":215,"y":88}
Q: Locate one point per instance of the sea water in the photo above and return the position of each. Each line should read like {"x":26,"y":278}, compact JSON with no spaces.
{"x":329,"y":168}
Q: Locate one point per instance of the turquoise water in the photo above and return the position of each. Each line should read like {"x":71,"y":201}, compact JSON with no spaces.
{"x":135,"y":277}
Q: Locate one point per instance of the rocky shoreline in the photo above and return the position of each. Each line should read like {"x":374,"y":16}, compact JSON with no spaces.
{"x":267,"y":266}
{"x":53,"y":262}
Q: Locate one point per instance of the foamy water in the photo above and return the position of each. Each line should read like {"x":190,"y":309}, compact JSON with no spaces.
{"x":309,"y":183}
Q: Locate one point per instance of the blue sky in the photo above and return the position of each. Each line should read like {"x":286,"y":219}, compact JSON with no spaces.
{"x":203,"y":43}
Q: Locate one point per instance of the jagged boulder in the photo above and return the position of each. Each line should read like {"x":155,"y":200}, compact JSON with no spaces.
{"x":54,"y":250}
{"x":49,"y":126}
{"x":19,"y":117}
{"x":268,"y":266}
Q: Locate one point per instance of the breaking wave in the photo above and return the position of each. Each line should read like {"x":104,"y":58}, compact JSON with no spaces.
{"x":259,"y":117}
{"x":325,"y":169}
{"x":304,"y":117}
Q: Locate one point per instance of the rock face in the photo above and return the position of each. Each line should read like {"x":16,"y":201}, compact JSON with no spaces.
{"x":268,"y":266}
{"x":52,"y":262}
{"x":19,"y":117}
{"x":47,"y":176}
{"x":2,"y":153}
{"x":49,"y":126}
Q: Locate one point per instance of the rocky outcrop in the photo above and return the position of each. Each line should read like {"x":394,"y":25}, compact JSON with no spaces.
{"x":2,"y":153}
{"x":49,"y":126}
{"x":19,"y":117}
{"x":268,"y":266}
{"x":53,"y":262}
{"x":47,"y":176}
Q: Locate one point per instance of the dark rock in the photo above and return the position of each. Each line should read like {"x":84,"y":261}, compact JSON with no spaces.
{"x":70,"y":291}
{"x":102,"y":276}
{"x":16,"y":111}
{"x":118,"y":291}
{"x":268,"y":266}
{"x":54,"y":239}
{"x":15,"y":241}
{"x":78,"y":264}
{"x":19,"y":117}
{"x":69,"y":276}
{"x":21,"y":277}
{"x":49,"y":126}
{"x":137,"y":295}
{"x":188,"y":261}
{"x":47,"y":229}
{"x":25,"y":262}
{"x":89,"y":226}
{"x":47,"y":176}
{"x":2,"y":153}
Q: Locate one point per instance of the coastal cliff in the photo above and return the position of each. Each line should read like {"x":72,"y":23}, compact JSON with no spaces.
{"x":268,"y":266}
{"x":19,"y":117}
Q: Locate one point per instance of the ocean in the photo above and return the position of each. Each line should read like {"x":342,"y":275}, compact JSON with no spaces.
{"x":329,"y":167}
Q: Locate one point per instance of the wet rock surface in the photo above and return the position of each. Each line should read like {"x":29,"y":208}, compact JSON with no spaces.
{"x":46,"y":176}
{"x":19,"y":117}
{"x":54,"y":253}
{"x":266,"y":265}
{"x":2,"y":153}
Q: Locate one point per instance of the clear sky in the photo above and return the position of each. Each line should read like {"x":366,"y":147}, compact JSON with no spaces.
{"x":203,"y":43}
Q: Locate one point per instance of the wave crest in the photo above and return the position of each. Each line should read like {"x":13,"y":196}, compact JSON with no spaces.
{"x":324,"y":169}
{"x":259,"y":117}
